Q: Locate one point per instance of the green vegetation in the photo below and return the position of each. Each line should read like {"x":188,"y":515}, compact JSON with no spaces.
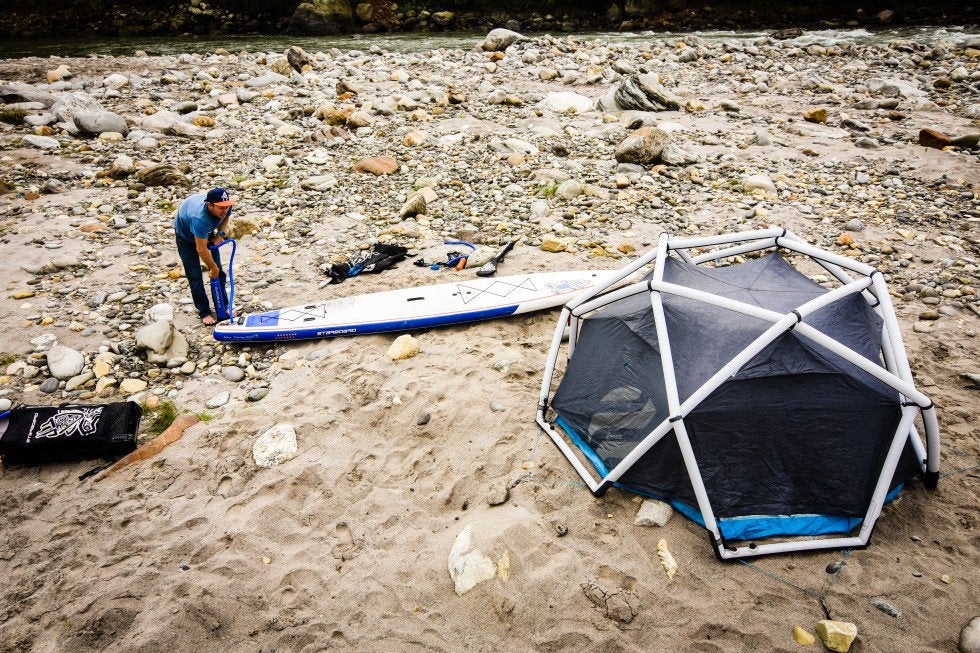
{"x":166,"y":206}
{"x":163,"y":416}
{"x":6,"y":359}
{"x":548,"y":190}
{"x":13,"y":116}
{"x":205,"y":417}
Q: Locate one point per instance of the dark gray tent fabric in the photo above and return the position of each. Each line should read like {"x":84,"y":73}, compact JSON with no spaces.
{"x":797,"y":431}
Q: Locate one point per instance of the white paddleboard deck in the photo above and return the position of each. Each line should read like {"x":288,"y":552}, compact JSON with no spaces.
{"x":412,"y":308}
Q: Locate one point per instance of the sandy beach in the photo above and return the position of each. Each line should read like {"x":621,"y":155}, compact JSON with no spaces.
{"x":346,"y":546}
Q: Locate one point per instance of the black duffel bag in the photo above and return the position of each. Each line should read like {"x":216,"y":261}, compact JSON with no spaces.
{"x":40,"y":434}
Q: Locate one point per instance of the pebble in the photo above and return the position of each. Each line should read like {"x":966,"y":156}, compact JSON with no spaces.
{"x":218,"y":400}
{"x":970,"y":636}
{"x":885,"y":606}
{"x":499,"y":494}
{"x":132,"y":386}
{"x":275,"y":446}
{"x":49,"y":385}
{"x":257,"y":394}
{"x":233,"y":373}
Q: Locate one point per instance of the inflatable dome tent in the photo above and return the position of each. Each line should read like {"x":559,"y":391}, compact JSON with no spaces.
{"x":779,"y":414}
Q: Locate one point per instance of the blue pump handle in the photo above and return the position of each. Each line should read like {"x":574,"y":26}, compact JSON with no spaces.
{"x":231,"y":273}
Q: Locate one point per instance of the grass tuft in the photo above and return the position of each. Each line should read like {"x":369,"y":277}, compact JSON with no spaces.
{"x":163,"y":416}
{"x":13,"y":116}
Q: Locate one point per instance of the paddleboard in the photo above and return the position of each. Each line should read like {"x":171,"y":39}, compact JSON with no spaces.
{"x":411,"y":308}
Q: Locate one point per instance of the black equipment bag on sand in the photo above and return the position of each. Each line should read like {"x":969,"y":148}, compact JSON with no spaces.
{"x":40,"y":434}
{"x":380,"y":258}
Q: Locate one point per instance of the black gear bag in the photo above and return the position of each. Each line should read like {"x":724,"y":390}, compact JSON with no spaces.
{"x":40,"y":434}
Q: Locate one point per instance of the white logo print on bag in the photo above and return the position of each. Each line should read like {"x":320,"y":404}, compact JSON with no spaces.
{"x":71,"y":423}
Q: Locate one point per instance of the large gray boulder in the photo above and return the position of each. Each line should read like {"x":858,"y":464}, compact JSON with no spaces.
{"x":322,"y":18}
{"x":500,"y":39}
{"x":155,"y":337}
{"x":645,"y":93}
{"x":643,"y":147}
{"x":70,"y":105}
{"x":64,"y":362}
{"x":101,"y":122}
{"x":13,"y":93}
{"x":160,"y":121}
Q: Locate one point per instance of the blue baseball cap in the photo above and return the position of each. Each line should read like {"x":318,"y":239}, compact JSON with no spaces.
{"x":219,"y":197}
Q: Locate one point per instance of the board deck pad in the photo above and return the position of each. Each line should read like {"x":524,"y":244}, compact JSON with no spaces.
{"x":412,"y":308}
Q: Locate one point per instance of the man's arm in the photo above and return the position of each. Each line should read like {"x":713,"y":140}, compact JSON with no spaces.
{"x":220,"y":238}
{"x":205,"y":254}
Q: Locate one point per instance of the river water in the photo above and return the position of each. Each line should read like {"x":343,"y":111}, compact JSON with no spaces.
{"x":417,"y":42}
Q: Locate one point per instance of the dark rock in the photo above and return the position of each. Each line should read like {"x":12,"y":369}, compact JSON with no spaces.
{"x":642,"y":8}
{"x":885,"y":606}
{"x":934,"y":139}
{"x":968,"y":141}
{"x":49,"y":385}
{"x":162,"y":174}
{"x":322,"y":18}
{"x":257,"y":394}
{"x":788,"y":33}
{"x":297,"y":58}
{"x":850,"y":123}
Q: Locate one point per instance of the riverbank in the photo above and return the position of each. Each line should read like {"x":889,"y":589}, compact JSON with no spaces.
{"x":102,"y":18}
{"x":346,"y":546}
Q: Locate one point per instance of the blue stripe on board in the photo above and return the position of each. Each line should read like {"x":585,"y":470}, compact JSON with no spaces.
{"x":269,"y":319}
{"x":226,"y":334}
{"x":738,"y":528}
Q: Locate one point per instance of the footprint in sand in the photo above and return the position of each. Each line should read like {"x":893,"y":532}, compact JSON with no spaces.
{"x":347,"y":546}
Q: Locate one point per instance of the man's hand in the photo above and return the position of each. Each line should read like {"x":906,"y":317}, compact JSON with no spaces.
{"x":214,"y":271}
{"x":216,"y":240}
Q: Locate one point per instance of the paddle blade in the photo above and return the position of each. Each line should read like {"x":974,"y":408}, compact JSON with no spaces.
{"x":490,"y":267}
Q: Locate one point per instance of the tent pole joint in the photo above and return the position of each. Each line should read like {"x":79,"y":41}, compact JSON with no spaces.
{"x":601,"y":490}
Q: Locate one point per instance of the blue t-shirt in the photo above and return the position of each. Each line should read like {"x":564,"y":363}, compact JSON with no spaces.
{"x":194,"y":220}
